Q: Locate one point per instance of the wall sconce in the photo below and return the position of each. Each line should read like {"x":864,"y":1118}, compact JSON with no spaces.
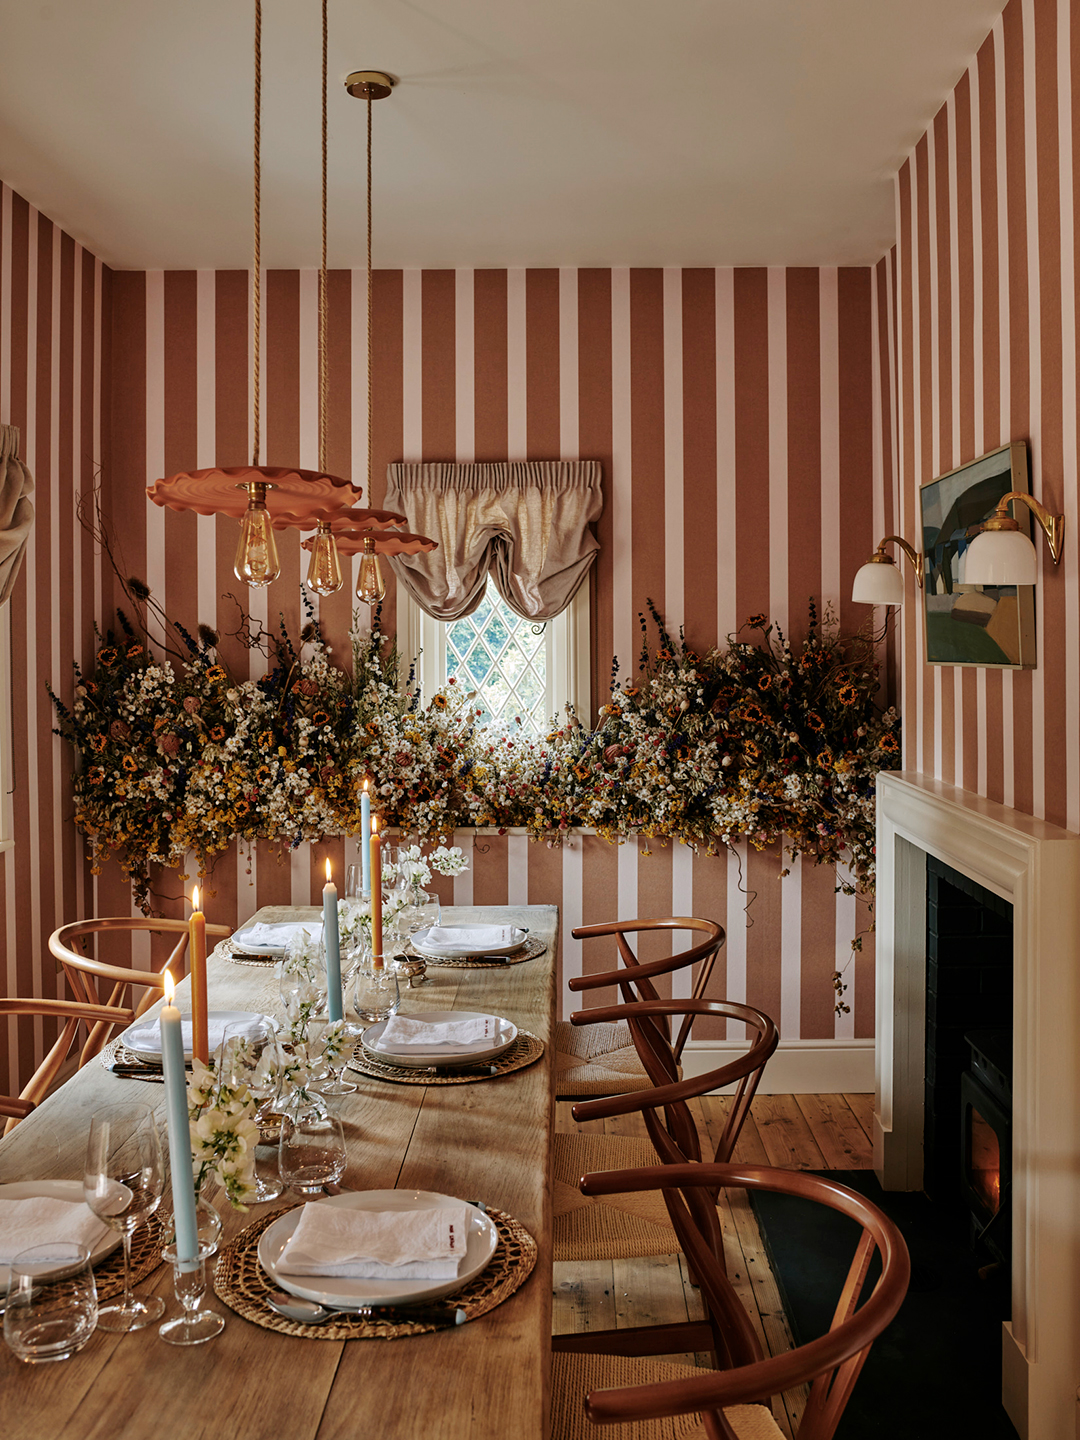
{"x":1001,"y":554}
{"x":879,"y":582}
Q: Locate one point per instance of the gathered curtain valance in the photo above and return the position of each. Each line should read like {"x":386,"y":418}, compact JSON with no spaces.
{"x":16,"y":509}
{"x":524,"y":522}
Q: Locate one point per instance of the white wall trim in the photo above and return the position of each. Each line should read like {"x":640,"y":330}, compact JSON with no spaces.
{"x":799,"y":1067}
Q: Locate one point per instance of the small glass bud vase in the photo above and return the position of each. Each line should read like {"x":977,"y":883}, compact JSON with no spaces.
{"x":208,"y":1229}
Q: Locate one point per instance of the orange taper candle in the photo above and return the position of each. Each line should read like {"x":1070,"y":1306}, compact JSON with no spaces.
{"x":200,"y":1037}
{"x":376,"y":894}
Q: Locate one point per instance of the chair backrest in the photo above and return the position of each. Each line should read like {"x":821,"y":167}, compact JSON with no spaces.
{"x":830,"y":1363}
{"x":91,"y":979}
{"x":635,"y":978}
{"x":72,"y":1013}
{"x":664,"y":1108}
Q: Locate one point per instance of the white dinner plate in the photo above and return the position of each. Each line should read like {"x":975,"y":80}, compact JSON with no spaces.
{"x":475,"y":1052}
{"x":341,"y":1293}
{"x":419,"y":943}
{"x":70,"y":1190}
{"x":148,"y":1044}
{"x":243,"y":944}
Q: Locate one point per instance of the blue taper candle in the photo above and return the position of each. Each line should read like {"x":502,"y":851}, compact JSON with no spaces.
{"x":332,"y":947}
{"x":365,"y":839}
{"x":176,"y":1113}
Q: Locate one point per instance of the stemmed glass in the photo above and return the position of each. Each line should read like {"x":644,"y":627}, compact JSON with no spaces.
{"x":333,"y":1042}
{"x":122,"y":1184}
{"x":251,"y":1056}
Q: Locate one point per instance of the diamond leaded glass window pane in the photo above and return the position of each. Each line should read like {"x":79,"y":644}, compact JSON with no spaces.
{"x":504,"y":659}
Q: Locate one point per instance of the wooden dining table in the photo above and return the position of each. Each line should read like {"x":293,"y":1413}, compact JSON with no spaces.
{"x":491,"y":1139}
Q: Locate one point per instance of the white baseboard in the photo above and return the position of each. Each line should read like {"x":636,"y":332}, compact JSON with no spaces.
{"x":799,"y":1067}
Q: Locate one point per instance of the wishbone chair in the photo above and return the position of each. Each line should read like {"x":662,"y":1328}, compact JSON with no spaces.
{"x":71,"y":944}
{"x":601,"y":1059}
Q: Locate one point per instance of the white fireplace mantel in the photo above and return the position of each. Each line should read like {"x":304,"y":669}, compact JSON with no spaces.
{"x":1036,"y":867}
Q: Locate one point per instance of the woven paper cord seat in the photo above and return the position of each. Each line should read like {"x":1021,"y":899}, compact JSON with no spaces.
{"x":600,"y":1059}
{"x":612,"y":1227}
{"x":573,"y":1376}
{"x":596,"y":1060}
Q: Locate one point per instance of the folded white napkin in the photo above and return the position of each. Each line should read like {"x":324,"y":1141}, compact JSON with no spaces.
{"x":277,"y":936}
{"x":148,"y":1037}
{"x":400,"y":1031}
{"x":377,"y":1244}
{"x":44,"y":1221}
{"x":470,"y":937}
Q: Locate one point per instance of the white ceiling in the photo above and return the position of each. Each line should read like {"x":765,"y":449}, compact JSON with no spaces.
{"x":523,"y":132}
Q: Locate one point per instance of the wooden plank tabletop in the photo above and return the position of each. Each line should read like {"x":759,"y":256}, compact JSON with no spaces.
{"x":487,"y":1380}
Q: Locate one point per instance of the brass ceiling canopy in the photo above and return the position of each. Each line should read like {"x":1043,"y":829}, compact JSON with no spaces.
{"x":369,"y":84}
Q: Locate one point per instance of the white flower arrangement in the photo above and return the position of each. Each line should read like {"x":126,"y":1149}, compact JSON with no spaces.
{"x":223,"y":1134}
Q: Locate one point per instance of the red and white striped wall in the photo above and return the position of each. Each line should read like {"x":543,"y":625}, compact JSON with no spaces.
{"x":746,"y":467}
{"x":986,"y":353}
{"x":53,"y":296}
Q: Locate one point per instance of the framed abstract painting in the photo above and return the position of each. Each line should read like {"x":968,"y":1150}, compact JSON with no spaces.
{"x":985,"y":625}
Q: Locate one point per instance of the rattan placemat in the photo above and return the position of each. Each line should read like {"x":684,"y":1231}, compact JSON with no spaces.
{"x":116,"y":1051}
{"x":525,"y":1050}
{"x":242,"y":1284}
{"x":529,"y":951}
{"x":146,"y":1247}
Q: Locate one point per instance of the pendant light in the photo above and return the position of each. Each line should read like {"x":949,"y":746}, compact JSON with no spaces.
{"x":263,"y":497}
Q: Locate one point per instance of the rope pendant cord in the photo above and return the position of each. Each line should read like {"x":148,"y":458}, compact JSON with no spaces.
{"x":323,"y":358}
{"x":370,"y":346}
{"x":256,"y":287}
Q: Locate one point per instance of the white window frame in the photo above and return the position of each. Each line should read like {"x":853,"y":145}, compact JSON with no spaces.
{"x":567,"y":641}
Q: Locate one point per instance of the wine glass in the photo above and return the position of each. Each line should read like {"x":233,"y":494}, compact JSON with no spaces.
{"x":122,"y":1184}
{"x":354,"y":883}
{"x":250,"y":1055}
{"x":311,"y":1152}
{"x":333,"y":1042}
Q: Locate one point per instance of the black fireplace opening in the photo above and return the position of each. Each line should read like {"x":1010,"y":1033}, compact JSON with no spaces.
{"x":967,"y":1136}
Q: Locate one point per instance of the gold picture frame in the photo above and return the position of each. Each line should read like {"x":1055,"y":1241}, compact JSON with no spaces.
{"x":980,"y":625}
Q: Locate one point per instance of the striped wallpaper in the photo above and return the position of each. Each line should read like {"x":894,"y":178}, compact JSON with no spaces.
{"x":986,"y":325}
{"x":733,"y":413}
{"x":735,"y":416}
{"x":53,"y":294}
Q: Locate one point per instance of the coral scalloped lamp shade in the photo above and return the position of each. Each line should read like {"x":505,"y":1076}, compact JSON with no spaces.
{"x":388,"y":542}
{"x":292,"y":496}
{"x":1001,"y":557}
{"x":878,"y":584}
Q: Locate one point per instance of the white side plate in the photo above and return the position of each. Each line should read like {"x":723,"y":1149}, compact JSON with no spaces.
{"x":340,"y":1293}
{"x":421,"y":1057}
{"x":70,"y":1190}
{"x":419,"y":943}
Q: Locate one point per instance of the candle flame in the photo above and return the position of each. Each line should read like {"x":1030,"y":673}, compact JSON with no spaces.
{"x":195,"y":897}
{"x":365,"y":782}
{"x":170,"y":988}
{"x":374,"y":824}
{"x":329,"y":877}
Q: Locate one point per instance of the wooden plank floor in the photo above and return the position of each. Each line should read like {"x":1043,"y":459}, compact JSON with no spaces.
{"x":796,"y":1132}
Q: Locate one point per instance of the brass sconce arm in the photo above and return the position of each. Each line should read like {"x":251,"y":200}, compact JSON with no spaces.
{"x":1053,"y":526}
{"x":880,"y":558}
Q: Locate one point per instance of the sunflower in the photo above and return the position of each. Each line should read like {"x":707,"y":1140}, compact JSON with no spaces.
{"x":888,"y":742}
{"x":266,"y":739}
{"x":216,"y":672}
{"x":438,"y":702}
{"x":134,"y":649}
{"x":107,"y":656}
{"x":130,"y":764}
{"x":320,"y":718}
{"x":217,"y":732}
{"x":98,"y":743}
{"x":765,"y":682}
{"x":848,"y":694}
{"x":814,"y":720}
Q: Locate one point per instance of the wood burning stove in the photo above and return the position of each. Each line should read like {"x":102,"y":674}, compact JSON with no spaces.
{"x":986,"y":1138}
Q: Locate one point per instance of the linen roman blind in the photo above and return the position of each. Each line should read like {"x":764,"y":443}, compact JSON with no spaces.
{"x":526,"y":523}
{"x":16,"y":509}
